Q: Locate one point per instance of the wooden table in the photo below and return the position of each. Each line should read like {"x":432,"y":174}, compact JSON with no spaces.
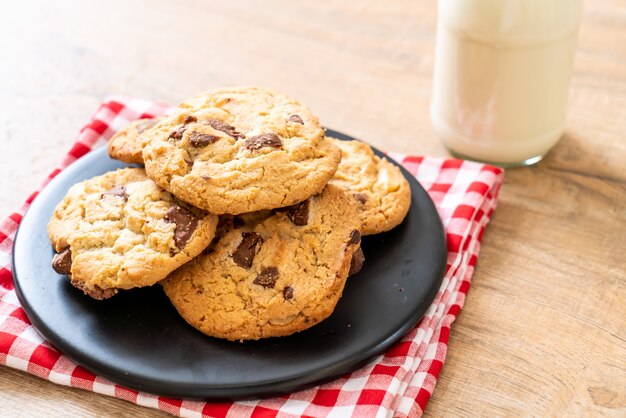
{"x":543,"y":331}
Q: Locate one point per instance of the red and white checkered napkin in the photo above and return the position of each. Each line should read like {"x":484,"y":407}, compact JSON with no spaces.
{"x":397,"y":383}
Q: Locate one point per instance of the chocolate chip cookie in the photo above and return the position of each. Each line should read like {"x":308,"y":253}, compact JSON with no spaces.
{"x":127,"y":143}
{"x":121,"y":230}
{"x":381,"y":191}
{"x":271,"y":273}
{"x":239,"y":150}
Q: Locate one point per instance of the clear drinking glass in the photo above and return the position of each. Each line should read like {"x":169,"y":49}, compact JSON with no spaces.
{"x":502,"y":77}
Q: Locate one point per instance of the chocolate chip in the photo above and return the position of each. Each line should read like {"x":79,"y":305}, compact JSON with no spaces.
{"x":96,"y":292}
{"x":355,"y":237}
{"x":190,"y":119}
{"x":245,"y":252}
{"x":360,"y":197}
{"x":296,"y":119}
{"x":177,"y":134}
{"x":357,"y":262}
{"x":224,"y":127}
{"x":62,"y":262}
{"x":203,"y":177}
{"x":299,"y":213}
{"x":288,"y":293}
{"x":145,"y":124}
{"x":185,"y":221}
{"x":267,"y":278}
{"x":119,"y":191}
{"x":265,"y":140}
{"x":199,"y":140}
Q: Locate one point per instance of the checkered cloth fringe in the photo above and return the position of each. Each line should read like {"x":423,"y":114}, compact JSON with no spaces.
{"x":398,"y":383}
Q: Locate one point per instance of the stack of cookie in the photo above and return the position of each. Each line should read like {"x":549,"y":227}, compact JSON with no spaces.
{"x":246,"y":213}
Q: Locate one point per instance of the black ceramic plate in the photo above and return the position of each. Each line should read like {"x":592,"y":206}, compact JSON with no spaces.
{"x":138,"y":340}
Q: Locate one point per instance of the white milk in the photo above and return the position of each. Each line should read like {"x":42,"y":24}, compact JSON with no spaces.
{"x":502,"y":75}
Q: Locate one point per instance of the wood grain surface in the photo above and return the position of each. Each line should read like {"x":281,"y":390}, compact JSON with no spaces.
{"x":543,"y":330}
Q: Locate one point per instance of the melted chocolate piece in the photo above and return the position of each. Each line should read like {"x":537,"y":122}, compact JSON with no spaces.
{"x":190,"y":119}
{"x":357,"y":262}
{"x":299,"y":213}
{"x":355,"y":237}
{"x":62,"y":262}
{"x":247,"y":249}
{"x":119,"y":191}
{"x":267,"y":278}
{"x":295,"y":119}
{"x":265,"y":140}
{"x":96,"y":292}
{"x":224,"y":127}
{"x":185,"y":221}
{"x":145,"y":124}
{"x":199,"y":140}
{"x":177,"y":134}
{"x":360,"y":197}
{"x":288,"y":293}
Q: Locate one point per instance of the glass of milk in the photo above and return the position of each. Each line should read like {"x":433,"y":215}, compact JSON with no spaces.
{"x":502,"y":76}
